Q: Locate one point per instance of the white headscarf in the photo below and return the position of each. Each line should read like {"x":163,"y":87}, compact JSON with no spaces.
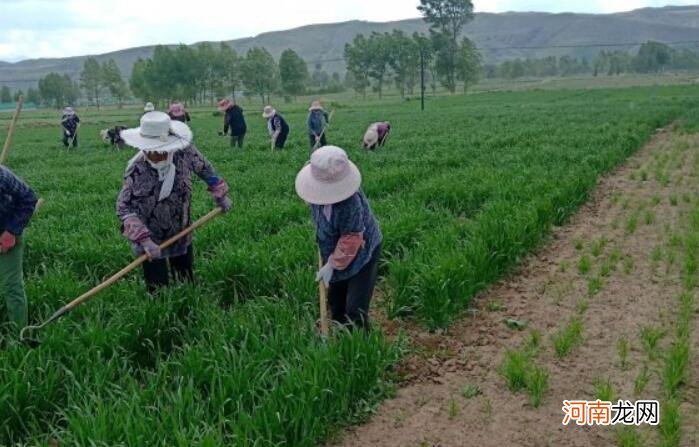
{"x":166,"y":172}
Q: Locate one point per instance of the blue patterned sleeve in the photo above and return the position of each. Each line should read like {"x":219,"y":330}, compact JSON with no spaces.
{"x":23,"y":201}
{"x":349,"y":215}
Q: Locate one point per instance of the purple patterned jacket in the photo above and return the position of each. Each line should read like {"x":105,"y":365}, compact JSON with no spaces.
{"x":143,"y":217}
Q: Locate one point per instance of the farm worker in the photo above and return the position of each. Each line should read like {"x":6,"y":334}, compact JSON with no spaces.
{"x":318,"y":119}
{"x":348,"y":235}
{"x":234,"y":121}
{"x":154,"y":202}
{"x":177,"y":112}
{"x":70,"y":123}
{"x":277,"y":127}
{"x":376,"y":134}
{"x":16,"y":208}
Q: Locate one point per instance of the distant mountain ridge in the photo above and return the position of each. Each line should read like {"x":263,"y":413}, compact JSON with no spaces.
{"x":500,"y":37}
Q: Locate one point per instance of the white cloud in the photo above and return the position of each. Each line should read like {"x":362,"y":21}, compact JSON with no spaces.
{"x":58,"y":28}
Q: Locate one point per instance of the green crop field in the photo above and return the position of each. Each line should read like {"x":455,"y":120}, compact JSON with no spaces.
{"x":462,"y":191}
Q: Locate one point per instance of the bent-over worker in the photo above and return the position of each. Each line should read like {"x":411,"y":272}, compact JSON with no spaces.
{"x":155,"y":201}
{"x":348,"y":235}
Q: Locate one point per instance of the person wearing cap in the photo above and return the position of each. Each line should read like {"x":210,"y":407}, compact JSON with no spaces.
{"x":234,"y":121}
{"x":318,"y":120}
{"x":177,"y":112}
{"x":348,"y":234}
{"x":16,"y":208}
{"x":376,"y":134}
{"x":70,"y":123}
{"x":155,"y":201}
{"x":277,"y":127}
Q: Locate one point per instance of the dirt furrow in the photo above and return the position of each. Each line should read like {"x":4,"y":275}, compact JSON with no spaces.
{"x":614,"y":270}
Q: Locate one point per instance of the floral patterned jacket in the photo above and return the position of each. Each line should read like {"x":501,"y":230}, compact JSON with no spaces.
{"x":143,"y":216}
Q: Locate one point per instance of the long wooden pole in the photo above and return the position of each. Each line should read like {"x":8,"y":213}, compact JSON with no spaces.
{"x":323,"y":297}
{"x":123,"y":272}
{"x":11,"y":131}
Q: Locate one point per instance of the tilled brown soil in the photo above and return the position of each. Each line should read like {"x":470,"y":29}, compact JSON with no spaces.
{"x":453,"y":392}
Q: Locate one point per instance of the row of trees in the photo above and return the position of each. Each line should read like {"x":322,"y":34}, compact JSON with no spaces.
{"x":381,"y":57}
{"x":208,"y":72}
{"x":6,"y":95}
{"x":652,"y":57}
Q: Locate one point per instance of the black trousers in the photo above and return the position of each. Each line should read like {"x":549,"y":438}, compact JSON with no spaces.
{"x":312,"y":139}
{"x":281,"y":140}
{"x":157,"y":273}
{"x":349,"y":299}
{"x":237,"y":140}
{"x":67,"y":138}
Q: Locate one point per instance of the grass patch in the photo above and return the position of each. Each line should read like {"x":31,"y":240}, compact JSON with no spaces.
{"x":604,"y":390}
{"x":567,"y":338}
{"x":622,"y":348}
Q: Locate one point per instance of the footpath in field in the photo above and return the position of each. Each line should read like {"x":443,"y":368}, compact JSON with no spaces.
{"x":606,"y":310}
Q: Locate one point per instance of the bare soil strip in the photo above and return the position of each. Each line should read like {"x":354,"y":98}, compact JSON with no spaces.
{"x":615,"y":268}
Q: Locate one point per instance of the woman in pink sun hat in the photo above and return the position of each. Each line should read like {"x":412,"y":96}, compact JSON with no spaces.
{"x":177,"y":112}
{"x":348,"y":234}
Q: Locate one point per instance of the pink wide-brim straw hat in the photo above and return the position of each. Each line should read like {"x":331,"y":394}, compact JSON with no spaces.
{"x":176,"y":109}
{"x":329,"y":178}
{"x":224,"y":104}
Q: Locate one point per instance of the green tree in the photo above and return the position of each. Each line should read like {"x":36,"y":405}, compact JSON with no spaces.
{"x":293,"y":73}
{"x":469,"y":63}
{"x":71,"y":90}
{"x":229,"y":69}
{"x":652,"y":57}
{"x":5,"y":95}
{"x":33,"y":96}
{"x":91,"y":80}
{"x":260,"y":73}
{"x":114,"y":81}
{"x":404,"y":61}
{"x":379,"y":47}
{"x":137,"y":82}
{"x":57,"y":90}
{"x":426,"y":49}
{"x":320,"y":78}
{"x":358,"y":60}
{"x":446,"y":19}
{"x":207,"y":60}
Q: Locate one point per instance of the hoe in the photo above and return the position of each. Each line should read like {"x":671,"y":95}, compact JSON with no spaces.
{"x":24,"y":334}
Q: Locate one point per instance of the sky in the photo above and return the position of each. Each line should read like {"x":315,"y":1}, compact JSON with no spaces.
{"x":61,"y":28}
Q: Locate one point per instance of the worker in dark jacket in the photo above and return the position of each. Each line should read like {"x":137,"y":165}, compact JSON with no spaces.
{"x":234,"y":121}
{"x":277,"y":127}
{"x":70,"y":123}
{"x":318,"y":121}
{"x":17,"y":203}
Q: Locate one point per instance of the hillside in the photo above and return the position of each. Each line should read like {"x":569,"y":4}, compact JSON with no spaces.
{"x":499,"y":36}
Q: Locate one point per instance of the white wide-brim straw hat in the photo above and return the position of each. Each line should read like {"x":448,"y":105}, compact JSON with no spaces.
{"x":315,"y":105}
{"x":68,"y":111}
{"x":329,"y":178}
{"x":158,"y":133}
{"x":268,"y":112}
{"x":149,"y":107}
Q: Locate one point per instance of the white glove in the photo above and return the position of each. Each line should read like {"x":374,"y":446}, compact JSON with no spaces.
{"x":67,"y":132}
{"x":325,"y":274}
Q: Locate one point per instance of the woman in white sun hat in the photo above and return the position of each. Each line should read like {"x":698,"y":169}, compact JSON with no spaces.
{"x":154,"y":202}
{"x":348,"y":235}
